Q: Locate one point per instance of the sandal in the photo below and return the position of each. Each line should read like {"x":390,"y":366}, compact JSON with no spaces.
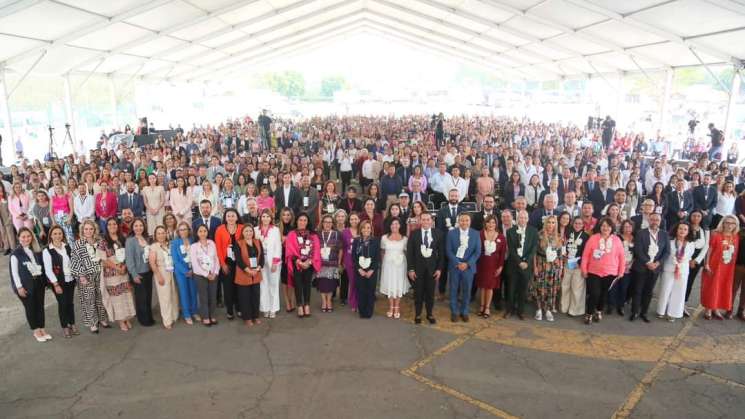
{"x":486,"y":314}
{"x":389,"y":314}
{"x":206,"y":323}
{"x":707,"y":316}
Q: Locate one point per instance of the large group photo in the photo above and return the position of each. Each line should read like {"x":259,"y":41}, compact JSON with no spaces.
{"x":334,"y":253}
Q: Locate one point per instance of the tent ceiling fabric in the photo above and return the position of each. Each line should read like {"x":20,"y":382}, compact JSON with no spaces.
{"x":206,"y":39}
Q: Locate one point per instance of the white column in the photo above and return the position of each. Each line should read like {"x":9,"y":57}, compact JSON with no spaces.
{"x":112,"y":88}
{"x":734,"y":92}
{"x":665,"y":105}
{"x":8,"y":146}
{"x":69,"y":114}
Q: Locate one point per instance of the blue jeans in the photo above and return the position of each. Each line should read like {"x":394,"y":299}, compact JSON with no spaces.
{"x":460,"y":289}
{"x":187,"y":294}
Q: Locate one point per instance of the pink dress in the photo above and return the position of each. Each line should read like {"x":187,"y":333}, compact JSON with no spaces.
{"x":60,"y":204}
{"x":263,"y":203}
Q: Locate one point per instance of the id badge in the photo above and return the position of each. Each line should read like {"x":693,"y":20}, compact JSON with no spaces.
{"x":45,"y":221}
{"x":325,"y":252}
{"x":461,"y":252}
{"x":597,"y":254}
{"x":330,"y":208}
{"x":121,"y":255}
{"x":231,"y":255}
{"x":229,"y":202}
{"x":253,"y":263}
{"x":306,"y":201}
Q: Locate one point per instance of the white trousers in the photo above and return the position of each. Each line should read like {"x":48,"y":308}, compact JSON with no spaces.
{"x":573,"y":293}
{"x":269,"y":287}
{"x":672,"y":295}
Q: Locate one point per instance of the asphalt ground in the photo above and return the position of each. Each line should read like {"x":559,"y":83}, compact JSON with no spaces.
{"x":335,"y":365}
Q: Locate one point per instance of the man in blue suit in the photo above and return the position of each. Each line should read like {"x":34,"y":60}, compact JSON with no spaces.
{"x":132,"y":200}
{"x":206,"y":218}
{"x":463,"y":248}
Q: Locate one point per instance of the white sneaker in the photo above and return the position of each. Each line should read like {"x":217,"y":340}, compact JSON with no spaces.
{"x":40,"y":339}
{"x":549,"y":316}
{"x":539,"y":315}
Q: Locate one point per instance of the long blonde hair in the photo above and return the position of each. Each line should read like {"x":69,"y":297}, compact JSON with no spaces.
{"x":720,"y":227}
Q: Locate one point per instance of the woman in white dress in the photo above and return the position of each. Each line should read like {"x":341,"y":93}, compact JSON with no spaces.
{"x":671,"y":299}
{"x":271,"y":241}
{"x":393,"y":281}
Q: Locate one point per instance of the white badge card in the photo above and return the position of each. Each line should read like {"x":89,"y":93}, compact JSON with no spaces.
{"x":330,"y":208}
{"x":550,"y":254}
{"x":426,"y":251}
{"x":325,"y":252}
{"x":461,"y":252}
{"x":306,"y":201}
{"x":597,"y":253}
{"x":120,"y":255}
{"x":231,"y":254}
{"x":365,"y":262}
{"x":228,"y":202}
{"x":253,"y":262}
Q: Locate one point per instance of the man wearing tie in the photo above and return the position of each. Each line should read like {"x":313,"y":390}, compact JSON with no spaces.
{"x":477,"y":223}
{"x":463,"y":249}
{"x":705,"y":199}
{"x":540,"y":214}
{"x":680,"y":204}
{"x":447,"y":218}
{"x":425,"y":257}
{"x":132,"y":200}
{"x":205,"y":218}
{"x":522,"y":245}
{"x":651,"y":246}
{"x":416,"y":193}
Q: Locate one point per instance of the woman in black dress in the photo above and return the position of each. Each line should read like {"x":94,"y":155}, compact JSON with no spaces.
{"x":366,"y":257}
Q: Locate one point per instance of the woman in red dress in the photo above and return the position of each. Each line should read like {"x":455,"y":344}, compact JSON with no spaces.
{"x":719,"y":268}
{"x":489,"y":266}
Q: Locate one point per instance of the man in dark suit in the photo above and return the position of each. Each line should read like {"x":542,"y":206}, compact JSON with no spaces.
{"x":522,"y":244}
{"x":487,"y":209}
{"x":405,"y":203}
{"x":351,"y":203}
{"x":679,"y":204}
{"x":288,"y":196}
{"x":425,"y":256}
{"x":601,"y":196}
{"x":651,"y":245}
{"x":463,"y":248}
{"x":447,"y":218}
{"x":132,"y":200}
{"x":404,"y":172}
{"x":705,"y":199}
{"x":417,"y":194}
{"x":641,"y":220}
{"x":206,"y":218}
{"x":540,"y":214}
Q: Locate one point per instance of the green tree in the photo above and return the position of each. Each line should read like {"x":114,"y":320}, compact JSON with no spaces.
{"x":331,"y":85}
{"x":288,"y":83}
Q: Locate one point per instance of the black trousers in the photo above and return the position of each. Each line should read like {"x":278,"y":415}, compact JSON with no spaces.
{"x":346,"y":179}
{"x":225,"y":281}
{"x":643,"y":285}
{"x":519,"y":290}
{"x":344,"y":287}
{"x":597,"y":287}
{"x":366,"y":295}
{"x":442,"y":284}
{"x":144,"y":299}
{"x":503,"y":293}
{"x":303,"y":281}
{"x":248,"y":301}
{"x":66,"y":304}
{"x":33,"y":304}
{"x":424,"y":290}
{"x":692,"y":273}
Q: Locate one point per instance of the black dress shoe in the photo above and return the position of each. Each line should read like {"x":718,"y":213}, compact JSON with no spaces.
{"x":417,"y":320}
{"x":465,"y":318}
{"x":7,"y":252}
{"x":431,"y":320}
{"x":633,"y":317}
{"x":453,"y":318}
{"x":609,"y":310}
{"x":644,"y":318}
{"x":620,"y":312}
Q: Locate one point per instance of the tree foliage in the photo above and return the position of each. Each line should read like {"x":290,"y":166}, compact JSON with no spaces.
{"x":287,"y":83}
{"x":332,"y":84}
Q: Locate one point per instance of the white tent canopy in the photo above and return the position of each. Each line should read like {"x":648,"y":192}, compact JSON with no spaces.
{"x":209,"y":40}
{"x":203,"y":39}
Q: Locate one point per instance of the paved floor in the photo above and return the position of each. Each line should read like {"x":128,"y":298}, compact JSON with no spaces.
{"x":338,"y":366}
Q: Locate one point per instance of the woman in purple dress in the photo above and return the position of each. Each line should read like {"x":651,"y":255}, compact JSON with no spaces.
{"x":347,"y":237}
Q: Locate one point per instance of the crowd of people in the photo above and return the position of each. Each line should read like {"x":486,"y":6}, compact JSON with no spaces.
{"x":484,"y":213}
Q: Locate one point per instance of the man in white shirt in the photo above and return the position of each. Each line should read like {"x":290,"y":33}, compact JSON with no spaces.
{"x":84,"y":205}
{"x":457,"y":182}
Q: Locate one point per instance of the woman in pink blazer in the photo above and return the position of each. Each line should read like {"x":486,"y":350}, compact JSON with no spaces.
{"x":18,"y":206}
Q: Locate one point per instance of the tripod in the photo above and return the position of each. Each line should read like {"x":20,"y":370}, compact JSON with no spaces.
{"x":68,"y":139}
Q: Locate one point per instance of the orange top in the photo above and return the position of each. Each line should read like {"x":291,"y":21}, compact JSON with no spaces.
{"x":222,"y":241}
